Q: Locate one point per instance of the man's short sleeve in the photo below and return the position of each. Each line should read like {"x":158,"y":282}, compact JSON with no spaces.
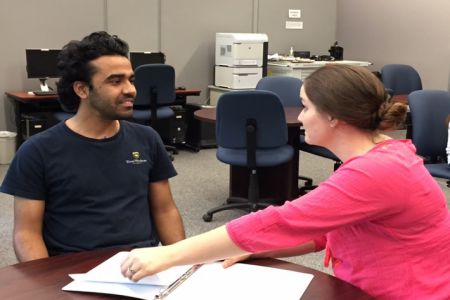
{"x":26,"y":174}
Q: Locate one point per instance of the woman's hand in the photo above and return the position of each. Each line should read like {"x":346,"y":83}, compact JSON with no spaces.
{"x":209,"y":246}
{"x":144,"y":262}
{"x":235,"y":259}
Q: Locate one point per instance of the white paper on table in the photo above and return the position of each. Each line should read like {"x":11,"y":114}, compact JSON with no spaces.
{"x":109,"y":271}
{"x":210,"y":281}
{"x":107,"y":278}
{"x":141,"y":291}
{"x":242,"y":281}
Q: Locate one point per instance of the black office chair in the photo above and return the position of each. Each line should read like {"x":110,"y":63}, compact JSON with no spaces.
{"x":251,"y":132}
{"x":155,"y":86}
{"x":288,"y":90}
{"x":429,"y":112}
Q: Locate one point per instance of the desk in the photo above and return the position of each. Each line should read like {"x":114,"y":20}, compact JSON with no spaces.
{"x":303,"y":70}
{"x":216,"y":91}
{"x":400,"y":98}
{"x":25,"y":103}
{"x":279,"y":183}
{"x":44,"y":278}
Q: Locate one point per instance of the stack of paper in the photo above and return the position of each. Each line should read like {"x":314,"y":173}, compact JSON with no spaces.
{"x":106,"y":278}
{"x":210,"y":281}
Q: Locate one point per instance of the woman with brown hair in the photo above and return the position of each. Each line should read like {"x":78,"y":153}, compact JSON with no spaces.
{"x":381,"y":217}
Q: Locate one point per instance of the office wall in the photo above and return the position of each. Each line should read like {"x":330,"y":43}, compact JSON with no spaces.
{"x":414,"y":32}
{"x":136,"y":21}
{"x":187,"y":30}
{"x":188,"y":36}
{"x":319,"y":25}
{"x":38,"y":24}
{"x":184,"y":30}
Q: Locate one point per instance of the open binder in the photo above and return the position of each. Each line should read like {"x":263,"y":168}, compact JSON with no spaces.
{"x":208,"y":281}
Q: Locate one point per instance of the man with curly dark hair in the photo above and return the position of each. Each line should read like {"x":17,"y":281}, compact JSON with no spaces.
{"x":95,"y":180}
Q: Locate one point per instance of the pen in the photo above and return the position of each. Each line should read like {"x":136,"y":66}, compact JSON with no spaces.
{"x":165,"y":292}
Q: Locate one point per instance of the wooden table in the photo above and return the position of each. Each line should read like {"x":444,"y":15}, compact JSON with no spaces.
{"x":30,"y":104}
{"x":44,"y":278}
{"x":279,"y":183}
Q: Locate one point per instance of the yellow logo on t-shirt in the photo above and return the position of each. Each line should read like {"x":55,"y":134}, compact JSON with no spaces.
{"x":136,"y":158}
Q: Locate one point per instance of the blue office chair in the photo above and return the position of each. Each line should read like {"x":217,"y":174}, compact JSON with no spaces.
{"x":62,"y":115}
{"x":429,"y":112}
{"x":155,"y":86}
{"x":286,"y":87}
{"x":399,"y":79}
{"x":288,"y":90}
{"x":251,"y":132}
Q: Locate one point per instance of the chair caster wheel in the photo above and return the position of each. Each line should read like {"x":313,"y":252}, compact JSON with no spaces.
{"x":207,"y":217}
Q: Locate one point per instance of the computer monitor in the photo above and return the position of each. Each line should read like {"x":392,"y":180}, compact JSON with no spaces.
{"x":144,"y":58}
{"x":42,"y":64}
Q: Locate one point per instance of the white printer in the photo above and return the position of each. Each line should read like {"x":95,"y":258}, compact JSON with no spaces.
{"x":241,"y":59}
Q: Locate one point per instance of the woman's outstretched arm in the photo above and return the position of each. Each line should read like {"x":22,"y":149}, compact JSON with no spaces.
{"x":210,"y":246}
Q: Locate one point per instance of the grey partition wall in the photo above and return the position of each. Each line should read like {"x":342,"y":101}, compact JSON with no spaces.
{"x":183,"y":30}
{"x":318,"y":18}
{"x":38,"y":24}
{"x":136,"y":21}
{"x":388,"y":32}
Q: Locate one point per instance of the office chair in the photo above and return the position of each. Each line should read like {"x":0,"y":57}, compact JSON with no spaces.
{"x":62,"y":115}
{"x":251,"y":132}
{"x":399,"y":79}
{"x":288,"y":90}
{"x":65,"y":112}
{"x":429,"y":111}
{"x":155,"y":86}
